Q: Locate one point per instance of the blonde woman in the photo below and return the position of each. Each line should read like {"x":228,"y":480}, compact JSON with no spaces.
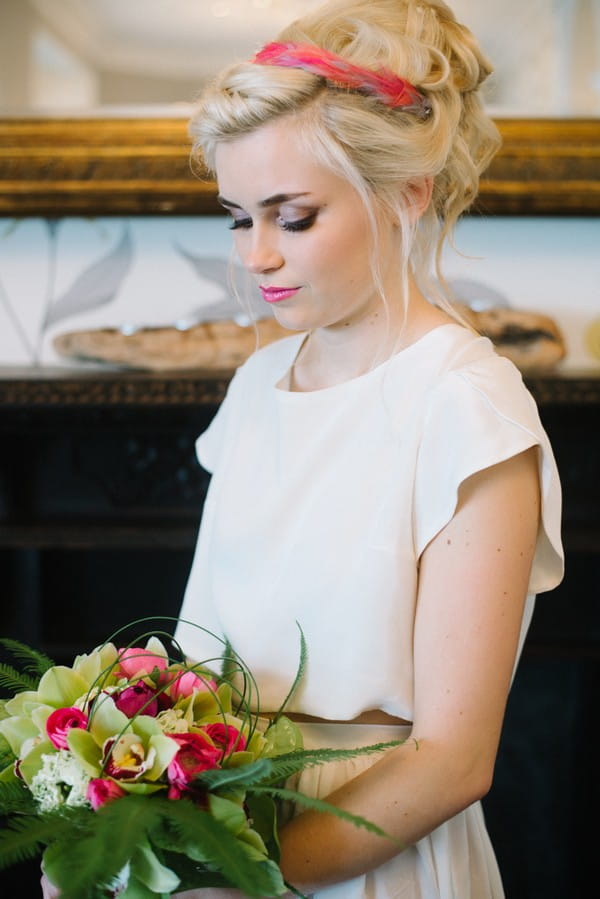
{"x":380,"y":476}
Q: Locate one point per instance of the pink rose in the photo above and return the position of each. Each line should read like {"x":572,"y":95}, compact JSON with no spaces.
{"x":131,"y":700}
{"x":60,"y":722}
{"x":184,"y":684}
{"x":227,"y":738}
{"x":101,"y":790}
{"x":136,"y":662}
{"x":196,"y":753}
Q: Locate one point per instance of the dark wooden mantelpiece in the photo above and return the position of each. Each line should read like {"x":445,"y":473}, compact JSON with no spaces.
{"x":72,"y":387}
{"x":69,"y":387}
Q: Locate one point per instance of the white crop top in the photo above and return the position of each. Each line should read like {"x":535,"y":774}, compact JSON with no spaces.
{"x":321,"y":503}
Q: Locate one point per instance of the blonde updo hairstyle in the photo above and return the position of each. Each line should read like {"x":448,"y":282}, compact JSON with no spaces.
{"x":380,"y":150}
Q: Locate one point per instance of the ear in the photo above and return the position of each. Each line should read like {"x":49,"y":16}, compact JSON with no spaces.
{"x":417,"y":196}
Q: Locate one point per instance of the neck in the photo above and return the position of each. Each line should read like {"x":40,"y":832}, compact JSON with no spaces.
{"x":333,"y":355}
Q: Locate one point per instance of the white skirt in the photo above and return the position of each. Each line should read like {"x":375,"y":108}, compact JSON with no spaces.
{"x":456,"y":861}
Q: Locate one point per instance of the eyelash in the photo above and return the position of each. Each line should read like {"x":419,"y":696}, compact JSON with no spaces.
{"x":300,"y":225}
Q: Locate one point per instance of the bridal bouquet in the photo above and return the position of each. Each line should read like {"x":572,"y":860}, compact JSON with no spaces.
{"x":137,"y":775}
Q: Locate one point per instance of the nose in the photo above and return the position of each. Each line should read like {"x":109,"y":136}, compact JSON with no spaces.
{"x":262,"y":254}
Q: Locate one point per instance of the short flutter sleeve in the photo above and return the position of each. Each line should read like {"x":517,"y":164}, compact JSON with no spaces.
{"x":476,"y":417}
{"x":211,"y":443}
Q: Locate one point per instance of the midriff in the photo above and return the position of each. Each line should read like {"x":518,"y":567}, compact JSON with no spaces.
{"x":371,"y":716}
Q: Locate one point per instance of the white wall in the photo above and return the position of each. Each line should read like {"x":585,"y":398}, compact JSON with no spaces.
{"x":111,"y":272}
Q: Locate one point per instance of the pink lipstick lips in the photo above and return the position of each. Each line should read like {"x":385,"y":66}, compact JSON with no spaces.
{"x":277,"y":294}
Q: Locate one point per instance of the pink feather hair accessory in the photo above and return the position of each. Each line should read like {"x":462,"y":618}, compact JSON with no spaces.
{"x":382,"y":83}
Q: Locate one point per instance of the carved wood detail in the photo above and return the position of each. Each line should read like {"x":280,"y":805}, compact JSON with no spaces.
{"x":21,"y":387}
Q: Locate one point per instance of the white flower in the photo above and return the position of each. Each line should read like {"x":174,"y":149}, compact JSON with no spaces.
{"x":172,"y":721}
{"x":60,"y":781}
{"x":84,"y":702}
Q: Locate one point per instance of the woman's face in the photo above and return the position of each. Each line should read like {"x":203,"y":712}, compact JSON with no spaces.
{"x":302,"y":232}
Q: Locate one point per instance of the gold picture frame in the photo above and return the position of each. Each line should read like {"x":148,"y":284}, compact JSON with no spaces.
{"x":140,"y":166}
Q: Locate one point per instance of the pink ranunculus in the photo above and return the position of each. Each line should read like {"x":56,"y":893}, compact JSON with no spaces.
{"x":196,"y":754}
{"x":60,"y":722}
{"x":185,"y":682}
{"x":137,"y":662}
{"x":102,"y":790}
{"x":226,"y":737}
{"x":131,"y":700}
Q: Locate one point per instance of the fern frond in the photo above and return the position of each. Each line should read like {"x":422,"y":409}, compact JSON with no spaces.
{"x":15,"y":798}
{"x":319,"y":805}
{"x":34,"y":661}
{"x":218,"y":778}
{"x":299,"y":672}
{"x":23,"y":838}
{"x":106,"y":841}
{"x":283,"y":766}
{"x":206,"y":840}
{"x":15,"y":681}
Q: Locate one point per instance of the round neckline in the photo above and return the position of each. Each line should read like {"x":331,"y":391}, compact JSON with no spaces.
{"x":359,"y":379}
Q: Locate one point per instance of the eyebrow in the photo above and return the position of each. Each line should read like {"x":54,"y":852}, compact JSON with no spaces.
{"x":275,"y":200}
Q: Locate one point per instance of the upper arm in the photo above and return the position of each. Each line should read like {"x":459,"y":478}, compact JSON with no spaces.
{"x":472,"y":587}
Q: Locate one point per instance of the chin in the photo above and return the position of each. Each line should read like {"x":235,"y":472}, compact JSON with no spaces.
{"x":294,"y":319}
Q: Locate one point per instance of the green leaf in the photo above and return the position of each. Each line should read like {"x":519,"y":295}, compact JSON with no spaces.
{"x":205,"y":840}
{"x":263,"y":819}
{"x":137,"y":890}
{"x":147,"y":868}
{"x":230,"y":814}
{"x":191,"y":874}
